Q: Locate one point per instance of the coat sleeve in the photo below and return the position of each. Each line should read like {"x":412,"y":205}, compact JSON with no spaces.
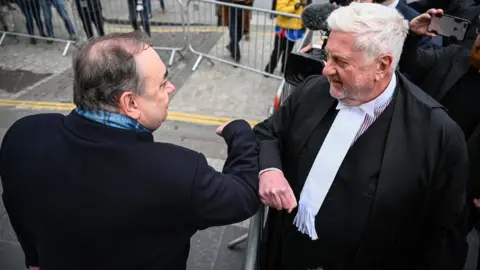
{"x":271,"y":131}
{"x":446,"y":246}
{"x":417,"y":62}
{"x":231,"y":196}
{"x":13,"y":207}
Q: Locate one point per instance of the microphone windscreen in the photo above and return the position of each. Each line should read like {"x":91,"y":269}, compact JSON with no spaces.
{"x":314,"y":16}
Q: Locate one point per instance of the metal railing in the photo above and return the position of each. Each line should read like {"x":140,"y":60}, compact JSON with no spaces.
{"x":69,"y":21}
{"x":246,"y":35}
{"x":173,"y":26}
{"x":49,"y":20}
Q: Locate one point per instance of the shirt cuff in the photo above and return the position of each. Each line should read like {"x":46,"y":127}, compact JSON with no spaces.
{"x":269,"y":169}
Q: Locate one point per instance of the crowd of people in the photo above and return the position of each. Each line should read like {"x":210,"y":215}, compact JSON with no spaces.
{"x":89,"y":12}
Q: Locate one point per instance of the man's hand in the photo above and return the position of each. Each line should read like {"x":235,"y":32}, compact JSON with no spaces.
{"x":309,"y":47}
{"x":35,"y":268}
{"x":220,"y":128}
{"x":419,"y":25}
{"x":276,"y":192}
{"x":476,"y":202}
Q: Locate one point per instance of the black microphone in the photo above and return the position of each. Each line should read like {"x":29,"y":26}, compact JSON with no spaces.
{"x":302,"y":65}
{"x":314,"y":16}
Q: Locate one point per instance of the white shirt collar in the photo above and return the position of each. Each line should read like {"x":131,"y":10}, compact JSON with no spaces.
{"x":370,"y":106}
{"x":394,"y":4}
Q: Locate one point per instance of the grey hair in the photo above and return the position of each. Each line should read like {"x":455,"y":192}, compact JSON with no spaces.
{"x":377,"y":29}
{"x":105,"y":67}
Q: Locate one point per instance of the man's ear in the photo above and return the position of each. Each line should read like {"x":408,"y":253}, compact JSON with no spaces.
{"x":384,"y":64}
{"x":128,"y":105}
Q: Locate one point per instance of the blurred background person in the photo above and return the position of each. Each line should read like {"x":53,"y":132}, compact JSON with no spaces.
{"x":139,"y":8}
{"x":31,"y":11}
{"x":287,"y":32}
{"x":149,"y":5}
{"x":90,"y":12}
{"x":62,"y":12}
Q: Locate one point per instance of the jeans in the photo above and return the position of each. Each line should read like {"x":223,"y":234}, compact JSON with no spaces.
{"x":60,"y":7}
{"x":235,"y":29}
{"x":149,"y":5}
{"x":31,"y":11}
{"x":281,"y":49}
{"x":88,"y":17}
{"x":132,"y":9}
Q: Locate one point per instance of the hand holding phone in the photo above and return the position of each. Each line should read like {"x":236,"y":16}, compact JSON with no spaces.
{"x":449,"y":26}
{"x":420,"y":24}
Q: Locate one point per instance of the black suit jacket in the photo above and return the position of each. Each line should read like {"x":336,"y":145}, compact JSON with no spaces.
{"x":435,"y":71}
{"x":440,"y":70}
{"x":421,"y":188}
{"x":81,"y":195}
{"x":448,"y":6}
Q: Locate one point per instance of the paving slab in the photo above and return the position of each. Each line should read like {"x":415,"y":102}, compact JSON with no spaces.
{"x":225,"y":91}
{"x":12,"y":81}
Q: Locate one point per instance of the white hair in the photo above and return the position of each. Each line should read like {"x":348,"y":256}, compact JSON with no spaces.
{"x":377,"y":29}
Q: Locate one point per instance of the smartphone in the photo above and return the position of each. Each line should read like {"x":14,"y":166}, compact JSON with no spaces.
{"x":449,"y":26}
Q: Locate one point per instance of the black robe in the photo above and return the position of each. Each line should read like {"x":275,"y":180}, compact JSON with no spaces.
{"x":419,"y":197}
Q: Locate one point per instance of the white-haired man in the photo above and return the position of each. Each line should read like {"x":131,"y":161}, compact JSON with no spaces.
{"x":376,"y":165}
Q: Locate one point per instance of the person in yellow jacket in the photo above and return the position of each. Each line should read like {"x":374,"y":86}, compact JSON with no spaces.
{"x":287,"y":31}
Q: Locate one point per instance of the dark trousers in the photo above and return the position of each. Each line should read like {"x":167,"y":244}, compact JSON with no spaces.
{"x":91,"y":17}
{"x":31,"y":11}
{"x":282,"y":48}
{"x":132,"y":9}
{"x":236,"y":32}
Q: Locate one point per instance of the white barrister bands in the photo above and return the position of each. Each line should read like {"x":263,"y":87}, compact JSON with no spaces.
{"x":325,"y":167}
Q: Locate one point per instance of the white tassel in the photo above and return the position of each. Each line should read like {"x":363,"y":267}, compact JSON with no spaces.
{"x":305,"y":221}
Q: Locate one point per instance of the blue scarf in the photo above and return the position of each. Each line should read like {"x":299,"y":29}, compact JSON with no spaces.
{"x":110,"y":119}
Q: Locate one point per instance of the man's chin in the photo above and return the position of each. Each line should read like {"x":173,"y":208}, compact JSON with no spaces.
{"x":335,"y":93}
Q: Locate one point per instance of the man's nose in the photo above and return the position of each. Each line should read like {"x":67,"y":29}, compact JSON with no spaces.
{"x":328,"y":70}
{"x":171,"y":88}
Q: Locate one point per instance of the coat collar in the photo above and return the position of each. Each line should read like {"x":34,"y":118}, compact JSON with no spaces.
{"x":96,"y":132}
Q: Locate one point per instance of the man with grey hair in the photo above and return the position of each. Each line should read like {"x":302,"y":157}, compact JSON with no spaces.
{"x":376,"y":165}
{"x":92,"y":190}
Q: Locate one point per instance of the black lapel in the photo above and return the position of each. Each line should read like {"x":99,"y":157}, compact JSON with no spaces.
{"x":458,"y":69}
{"x":311,"y":115}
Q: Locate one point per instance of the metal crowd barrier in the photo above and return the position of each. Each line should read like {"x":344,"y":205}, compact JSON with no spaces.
{"x":69,"y":21}
{"x":163,"y":20}
{"x":257,"y":222}
{"x":40,"y":20}
{"x":252,"y":28}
